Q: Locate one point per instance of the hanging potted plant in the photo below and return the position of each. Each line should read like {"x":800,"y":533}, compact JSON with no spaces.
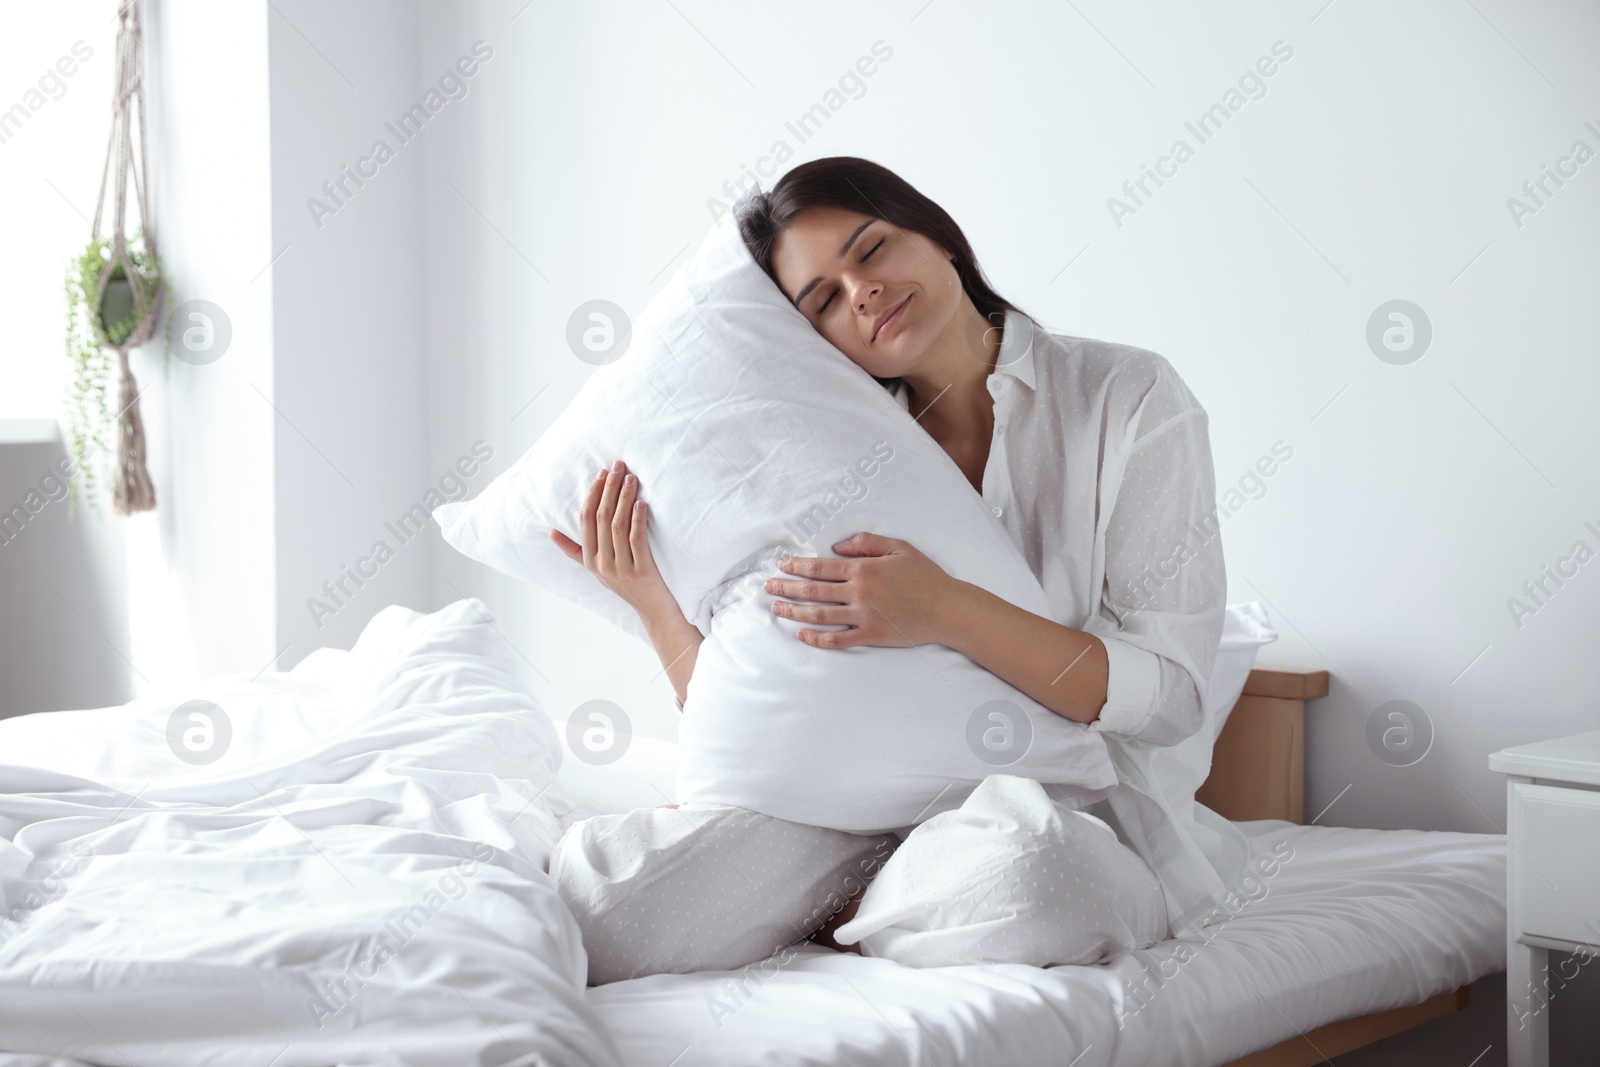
{"x":107,"y":311}
{"x":113,"y":291}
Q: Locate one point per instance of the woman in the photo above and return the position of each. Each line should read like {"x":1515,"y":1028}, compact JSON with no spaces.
{"x":1093,"y":456}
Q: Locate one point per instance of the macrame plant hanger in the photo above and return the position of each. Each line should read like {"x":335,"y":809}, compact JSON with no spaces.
{"x":123,"y":290}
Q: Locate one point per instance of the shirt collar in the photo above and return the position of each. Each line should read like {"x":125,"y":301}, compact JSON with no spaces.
{"x":1018,"y":349}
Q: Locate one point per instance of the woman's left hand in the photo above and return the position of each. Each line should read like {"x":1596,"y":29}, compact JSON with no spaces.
{"x":889,"y":594}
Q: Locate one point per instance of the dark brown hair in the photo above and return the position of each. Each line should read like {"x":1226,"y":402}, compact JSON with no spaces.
{"x":864,"y":186}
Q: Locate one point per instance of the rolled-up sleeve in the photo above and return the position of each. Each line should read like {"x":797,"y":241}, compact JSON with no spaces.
{"x":1133,"y":685}
{"x":1165,"y":589}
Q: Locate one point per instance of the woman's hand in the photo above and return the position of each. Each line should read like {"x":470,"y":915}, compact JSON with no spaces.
{"x":890,"y":595}
{"x":614,"y":525}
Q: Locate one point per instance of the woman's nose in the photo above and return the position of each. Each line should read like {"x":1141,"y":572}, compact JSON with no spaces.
{"x":862,"y":292}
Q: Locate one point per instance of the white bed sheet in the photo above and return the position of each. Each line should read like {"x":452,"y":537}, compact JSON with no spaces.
{"x":1356,"y":921}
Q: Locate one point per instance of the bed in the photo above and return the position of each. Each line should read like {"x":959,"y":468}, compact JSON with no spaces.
{"x":357,"y":877}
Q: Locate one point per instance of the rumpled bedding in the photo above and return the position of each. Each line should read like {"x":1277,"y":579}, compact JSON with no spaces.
{"x":346,"y":865}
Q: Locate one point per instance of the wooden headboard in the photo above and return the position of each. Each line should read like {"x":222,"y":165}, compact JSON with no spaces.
{"x":1258,"y":764}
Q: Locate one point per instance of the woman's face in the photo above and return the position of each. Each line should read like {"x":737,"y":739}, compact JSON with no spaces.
{"x":880,"y":294}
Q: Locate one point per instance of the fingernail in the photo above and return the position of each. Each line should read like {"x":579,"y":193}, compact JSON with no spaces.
{"x":617,"y":466}
{"x":630,"y":480}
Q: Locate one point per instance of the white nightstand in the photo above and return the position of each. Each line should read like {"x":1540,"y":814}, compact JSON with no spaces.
{"x":1552,"y":879}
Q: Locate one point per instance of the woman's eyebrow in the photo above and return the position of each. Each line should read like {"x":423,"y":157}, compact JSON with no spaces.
{"x":848,"y":241}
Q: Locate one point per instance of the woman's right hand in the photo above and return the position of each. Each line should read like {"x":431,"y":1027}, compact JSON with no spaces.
{"x":614,"y":524}
{"x":616,"y":550}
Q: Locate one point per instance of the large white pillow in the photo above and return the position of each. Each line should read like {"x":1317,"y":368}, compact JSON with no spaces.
{"x":752,"y":437}
{"x":648,"y":768}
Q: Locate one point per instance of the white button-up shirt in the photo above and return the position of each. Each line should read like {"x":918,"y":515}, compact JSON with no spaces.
{"x":1100,"y":469}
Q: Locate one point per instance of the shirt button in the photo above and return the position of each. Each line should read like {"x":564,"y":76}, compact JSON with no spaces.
{"x":997,"y":511}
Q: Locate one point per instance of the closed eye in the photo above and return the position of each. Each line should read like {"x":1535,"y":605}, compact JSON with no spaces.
{"x":864,"y":258}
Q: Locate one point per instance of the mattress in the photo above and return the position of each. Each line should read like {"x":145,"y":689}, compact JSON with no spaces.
{"x":1351,"y":921}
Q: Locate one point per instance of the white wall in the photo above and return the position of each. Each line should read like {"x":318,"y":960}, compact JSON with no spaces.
{"x":211,"y":427}
{"x":349,"y":375}
{"x":279,"y":464}
{"x":50,"y":158}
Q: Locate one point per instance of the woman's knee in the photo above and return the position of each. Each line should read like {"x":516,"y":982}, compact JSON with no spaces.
{"x":674,"y":890}
{"x":1010,"y":877}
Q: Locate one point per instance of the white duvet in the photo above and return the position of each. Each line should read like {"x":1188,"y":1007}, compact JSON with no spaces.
{"x":358,"y":879}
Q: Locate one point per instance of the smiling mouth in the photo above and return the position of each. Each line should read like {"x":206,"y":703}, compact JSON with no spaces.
{"x":891,"y":318}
